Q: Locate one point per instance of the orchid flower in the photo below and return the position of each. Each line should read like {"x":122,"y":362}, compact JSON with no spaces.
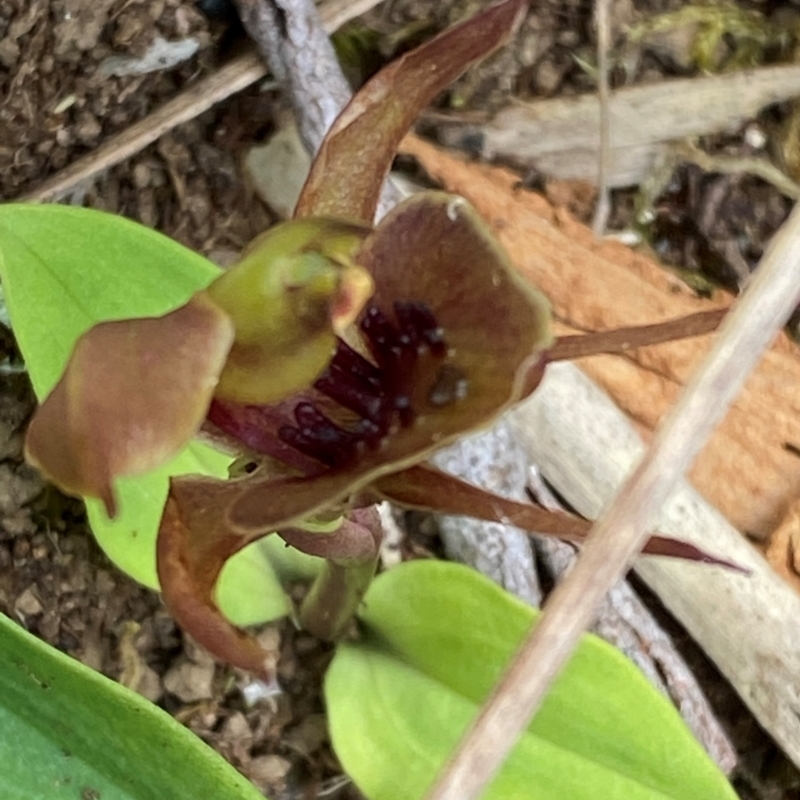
{"x":333,"y":358}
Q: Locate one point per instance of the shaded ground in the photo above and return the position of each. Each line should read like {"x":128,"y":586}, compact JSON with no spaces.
{"x":58,"y":100}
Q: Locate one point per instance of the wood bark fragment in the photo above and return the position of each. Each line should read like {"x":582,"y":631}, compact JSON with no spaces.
{"x":783,"y":550}
{"x":746,"y":470}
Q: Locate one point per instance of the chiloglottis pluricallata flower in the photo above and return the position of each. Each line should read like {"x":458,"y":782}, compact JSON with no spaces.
{"x":334,"y":357}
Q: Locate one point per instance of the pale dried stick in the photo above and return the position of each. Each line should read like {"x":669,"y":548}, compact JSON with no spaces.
{"x":618,"y":535}
{"x":603,"y":209}
{"x":626,"y":622}
{"x":235,"y":76}
{"x":497,"y":460}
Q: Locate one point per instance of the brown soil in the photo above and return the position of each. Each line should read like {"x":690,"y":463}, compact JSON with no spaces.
{"x":58,"y":103}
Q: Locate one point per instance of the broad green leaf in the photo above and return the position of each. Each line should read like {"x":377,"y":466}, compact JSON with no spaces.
{"x":68,"y":732}
{"x":438,"y":636}
{"x":64,"y":269}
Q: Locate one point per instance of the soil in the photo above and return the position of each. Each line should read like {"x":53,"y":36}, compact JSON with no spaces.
{"x":59,"y":100}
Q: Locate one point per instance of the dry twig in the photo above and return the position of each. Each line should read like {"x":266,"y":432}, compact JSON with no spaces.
{"x":235,"y":76}
{"x":625,"y":621}
{"x":603,"y":24}
{"x":300,"y":55}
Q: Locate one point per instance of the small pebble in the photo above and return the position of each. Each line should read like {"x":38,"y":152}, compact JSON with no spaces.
{"x":190,"y":682}
{"x":28,"y":604}
{"x":142,"y":175}
{"x":269,"y":772}
{"x":256,"y":690}
{"x":22,"y":548}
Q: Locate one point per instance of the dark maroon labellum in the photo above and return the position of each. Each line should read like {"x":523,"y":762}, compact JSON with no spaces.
{"x":379,"y":392}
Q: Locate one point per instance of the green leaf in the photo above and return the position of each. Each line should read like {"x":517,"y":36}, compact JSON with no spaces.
{"x":68,"y":732}
{"x":64,"y":269}
{"x":438,"y":638}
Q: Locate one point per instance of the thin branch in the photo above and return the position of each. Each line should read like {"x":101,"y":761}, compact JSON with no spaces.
{"x":603,"y":24}
{"x":626,"y":622}
{"x":191,"y":102}
{"x":621,"y":340}
{"x":759,"y":166}
{"x":235,"y":76}
{"x":291,"y":38}
{"x":619,"y":533}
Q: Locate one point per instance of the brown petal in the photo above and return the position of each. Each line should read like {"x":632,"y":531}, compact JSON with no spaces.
{"x":204,"y":506}
{"x":249,"y":507}
{"x":434,"y":248}
{"x":349,"y":170}
{"x":133,"y":393}
{"x":427,"y":488}
{"x":188,"y":575}
{"x":350,"y":544}
{"x":196,"y":539}
{"x":623,"y":340}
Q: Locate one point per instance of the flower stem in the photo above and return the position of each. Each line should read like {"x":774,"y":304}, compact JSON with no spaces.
{"x":334,"y":598}
{"x":351,"y":556}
